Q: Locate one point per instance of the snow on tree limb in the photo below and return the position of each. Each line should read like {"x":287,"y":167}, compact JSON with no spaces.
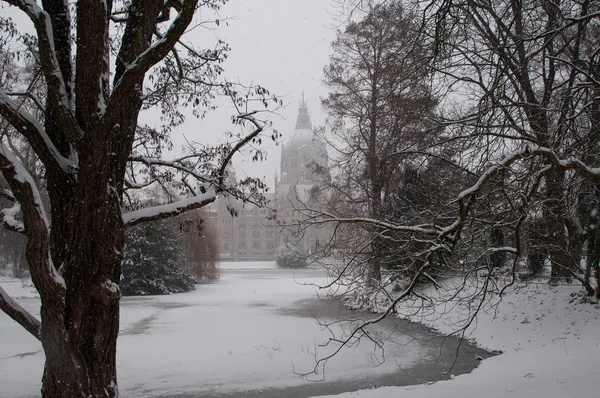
{"x":156,"y":52}
{"x":445,"y":236}
{"x":466,"y":197}
{"x":325,"y":217}
{"x":55,"y":83}
{"x":21,"y":181}
{"x":19,"y":314}
{"x":208,"y":195}
{"x":7,"y":194}
{"x":34,"y":132}
{"x":9,"y":221}
{"x":35,"y":221}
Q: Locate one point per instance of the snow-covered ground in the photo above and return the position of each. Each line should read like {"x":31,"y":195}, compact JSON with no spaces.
{"x":228,"y":336}
{"x":551,"y":345}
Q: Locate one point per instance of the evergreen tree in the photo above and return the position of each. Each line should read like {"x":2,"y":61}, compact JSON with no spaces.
{"x":153,"y":261}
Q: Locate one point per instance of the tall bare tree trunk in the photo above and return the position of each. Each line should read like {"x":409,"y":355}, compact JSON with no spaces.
{"x":561,"y":261}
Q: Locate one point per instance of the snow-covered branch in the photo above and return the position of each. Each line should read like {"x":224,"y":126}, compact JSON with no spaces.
{"x":154,"y":54}
{"x":19,"y":314}
{"x":208,"y":195}
{"x":590,"y":173}
{"x":35,"y":220}
{"x":467,"y":197}
{"x":34,"y":132}
{"x":7,"y":194}
{"x":9,"y":220}
{"x":23,"y":185}
{"x":57,"y":89}
{"x":322,"y":217}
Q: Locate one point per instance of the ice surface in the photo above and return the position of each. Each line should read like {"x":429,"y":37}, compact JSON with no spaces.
{"x":226,"y":336}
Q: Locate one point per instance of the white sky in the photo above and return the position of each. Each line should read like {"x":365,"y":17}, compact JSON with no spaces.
{"x":282,"y":45}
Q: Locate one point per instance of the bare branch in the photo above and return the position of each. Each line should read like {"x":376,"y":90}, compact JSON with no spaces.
{"x":156,"y":52}
{"x":174,"y":164}
{"x":19,"y":314}
{"x":242,"y":143}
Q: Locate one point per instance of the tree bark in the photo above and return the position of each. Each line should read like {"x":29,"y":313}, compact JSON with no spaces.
{"x":561,"y":262}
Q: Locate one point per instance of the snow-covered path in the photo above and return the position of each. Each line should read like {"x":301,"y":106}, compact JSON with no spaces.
{"x":246,"y":332}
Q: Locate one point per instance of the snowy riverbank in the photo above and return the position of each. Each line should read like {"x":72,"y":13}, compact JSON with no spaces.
{"x":550,"y":341}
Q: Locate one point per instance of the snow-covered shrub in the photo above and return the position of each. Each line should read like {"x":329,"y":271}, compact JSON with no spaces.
{"x":153,"y":261}
{"x":362,"y":299}
{"x":289,"y":256}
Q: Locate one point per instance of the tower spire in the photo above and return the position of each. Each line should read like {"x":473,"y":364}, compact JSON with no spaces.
{"x":303,"y":120}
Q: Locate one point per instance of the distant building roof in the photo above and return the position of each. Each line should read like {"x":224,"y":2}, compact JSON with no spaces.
{"x":303,"y":134}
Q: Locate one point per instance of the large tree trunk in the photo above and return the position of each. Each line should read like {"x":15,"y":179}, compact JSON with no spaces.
{"x":561,"y":261}
{"x":88,"y":233}
{"x":80,"y":341}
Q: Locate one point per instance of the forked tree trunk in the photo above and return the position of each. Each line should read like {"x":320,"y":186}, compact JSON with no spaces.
{"x":79,"y":336}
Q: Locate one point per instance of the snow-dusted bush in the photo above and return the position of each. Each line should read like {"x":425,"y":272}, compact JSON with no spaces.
{"x":153,"y":261}
{"x":289,"y":256}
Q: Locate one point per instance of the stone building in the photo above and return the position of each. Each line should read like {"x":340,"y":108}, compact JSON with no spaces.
{"x":252,"y":235}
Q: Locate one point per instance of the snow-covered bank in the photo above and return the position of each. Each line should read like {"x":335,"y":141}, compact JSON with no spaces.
{"x":550,"y":341}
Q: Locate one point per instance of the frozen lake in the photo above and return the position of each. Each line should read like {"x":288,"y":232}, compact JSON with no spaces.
{"x":248,"y":334}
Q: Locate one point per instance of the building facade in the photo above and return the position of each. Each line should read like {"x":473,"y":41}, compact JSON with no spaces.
{"x":255,"y":233}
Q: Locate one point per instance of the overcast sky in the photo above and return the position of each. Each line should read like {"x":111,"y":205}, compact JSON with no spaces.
{"x":283,"y":46}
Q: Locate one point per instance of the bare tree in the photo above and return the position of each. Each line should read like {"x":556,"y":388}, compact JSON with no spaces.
{"x":531,"y":71}
{"x":99,"y":69}
{"x":378,"y":108}
{"x":520,"y":131}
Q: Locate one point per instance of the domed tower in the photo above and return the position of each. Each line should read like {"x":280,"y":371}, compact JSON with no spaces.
{"x":303,"y":149}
